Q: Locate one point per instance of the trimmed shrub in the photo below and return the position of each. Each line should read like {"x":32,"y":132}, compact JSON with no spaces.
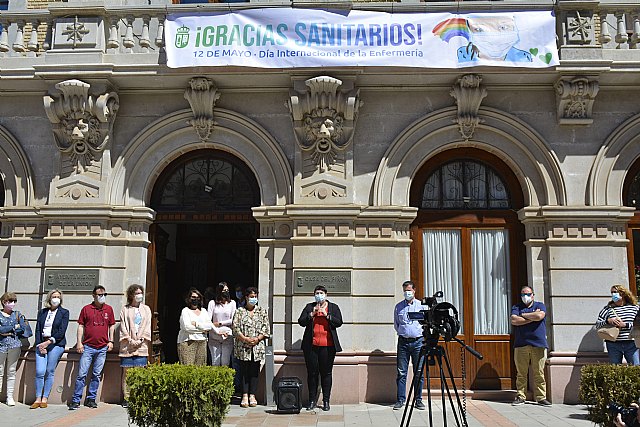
{"x":602,"y":384}
{"x":179,"y":395}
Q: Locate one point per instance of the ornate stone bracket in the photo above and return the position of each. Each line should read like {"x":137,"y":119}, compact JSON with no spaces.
{"x":202,"y":96}
{"x":469,"y":94}
{"x":324,"y":118}
{"x":576,"y":96}
{"x":82,"y":123}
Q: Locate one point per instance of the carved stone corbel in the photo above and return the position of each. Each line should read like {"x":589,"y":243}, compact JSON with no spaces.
{"x":469,"y":94}
{"x":202,"y":96}
{"x":324,"y":118}
{"x":82,"y":124}
{"x":576,"y":96}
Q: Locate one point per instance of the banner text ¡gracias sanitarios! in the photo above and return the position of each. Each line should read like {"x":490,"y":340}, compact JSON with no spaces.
{"x":313,"y":34}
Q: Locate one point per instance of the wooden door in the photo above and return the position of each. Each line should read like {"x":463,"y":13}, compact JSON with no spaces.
{"x":155,"y":266}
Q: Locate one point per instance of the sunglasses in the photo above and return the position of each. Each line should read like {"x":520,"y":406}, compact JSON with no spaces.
{"x":102,"y":295}
{"x":526,"y":293}
{"x":12,"y":300}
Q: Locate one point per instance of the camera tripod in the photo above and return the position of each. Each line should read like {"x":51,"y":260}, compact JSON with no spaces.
{"x":432,"y":353}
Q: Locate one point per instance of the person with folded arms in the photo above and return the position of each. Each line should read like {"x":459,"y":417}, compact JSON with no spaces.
{"x":51,"y":327}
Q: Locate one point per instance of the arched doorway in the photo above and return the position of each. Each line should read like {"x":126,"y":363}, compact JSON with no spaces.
{"x":631,"y":197}
{"x":467,"y":242}
{"x":204,"y":233}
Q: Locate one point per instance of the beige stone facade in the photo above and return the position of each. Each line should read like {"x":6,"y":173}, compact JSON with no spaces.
{"x":569,"y":135}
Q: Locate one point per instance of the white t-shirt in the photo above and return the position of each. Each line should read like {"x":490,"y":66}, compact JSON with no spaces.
{"x":48,"y":323}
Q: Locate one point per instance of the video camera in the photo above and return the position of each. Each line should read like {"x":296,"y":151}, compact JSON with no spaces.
{"x":440,"y":319}
{"x":629,"y":415}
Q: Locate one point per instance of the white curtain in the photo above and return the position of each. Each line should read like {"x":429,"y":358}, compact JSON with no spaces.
{"x":443,"y":266}
{"x":491,"y":281}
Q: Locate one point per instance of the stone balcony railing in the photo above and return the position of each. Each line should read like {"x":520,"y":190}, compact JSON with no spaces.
{"x":588,"y":30}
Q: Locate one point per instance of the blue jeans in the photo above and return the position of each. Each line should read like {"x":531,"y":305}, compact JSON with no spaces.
{"x":406,"y":350}
{"x":46,"y":370}
{"x":98,"y":357}
{"x":627,"y":349}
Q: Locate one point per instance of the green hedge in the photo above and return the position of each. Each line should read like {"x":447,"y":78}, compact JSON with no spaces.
{"x":601,"y":384}
{"x":179,"y":395}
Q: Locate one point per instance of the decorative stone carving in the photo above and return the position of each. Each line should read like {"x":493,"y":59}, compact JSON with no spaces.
{"x":469,"y":94}
{"x":82,"y":124}
{"x":579,"y":29}
{"x":576,"y":96}
{"x":324,"y":118}
{"x":202,"y":96}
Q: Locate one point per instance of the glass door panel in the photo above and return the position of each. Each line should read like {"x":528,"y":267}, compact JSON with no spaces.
{"x":443,"y":266}
{"x":491,"y":281}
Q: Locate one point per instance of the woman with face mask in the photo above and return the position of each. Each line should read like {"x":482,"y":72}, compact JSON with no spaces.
{"x":195,"y":325}
{"x":250,"y":329}
{"x":320,"y":343}
{"x":620,"y":312}
{"x":135,"y":334}
{"x":51,"y":327}
{"x":10,"y":332}
{"x":221,"y":310}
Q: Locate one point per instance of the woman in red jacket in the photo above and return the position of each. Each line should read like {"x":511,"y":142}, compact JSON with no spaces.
{"x":320,"y":344}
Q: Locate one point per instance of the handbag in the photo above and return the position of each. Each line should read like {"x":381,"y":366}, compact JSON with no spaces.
{"x":24,"y":326}
{"x":609,"y":333}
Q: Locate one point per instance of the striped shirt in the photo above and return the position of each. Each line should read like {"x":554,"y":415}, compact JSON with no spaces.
{"x":627,"y":313}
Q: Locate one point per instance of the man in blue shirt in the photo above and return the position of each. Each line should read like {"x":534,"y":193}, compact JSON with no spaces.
{"x":530,"y":345}
{"x":409,"y":344}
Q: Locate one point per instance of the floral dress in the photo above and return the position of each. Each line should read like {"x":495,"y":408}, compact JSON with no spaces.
{"x":250,"y":326}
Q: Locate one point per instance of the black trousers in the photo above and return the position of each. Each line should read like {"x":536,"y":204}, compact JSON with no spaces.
{"x":319,"y":362}
{"x":249,"y":371}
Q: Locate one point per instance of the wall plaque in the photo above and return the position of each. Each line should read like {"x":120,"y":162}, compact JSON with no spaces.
{"x":71,"y":280}
{"x":336,"y":282}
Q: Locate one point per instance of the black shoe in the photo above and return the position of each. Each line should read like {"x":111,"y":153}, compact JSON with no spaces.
{"x":544,"y":402}
{"x":325,"y":406}
{"x":312,"y":405}
{"x":398,"y":405}
{"x":90,"y":403}
{"x":125,"y":404}
{"x":73,"y":406}
{"x":419,"y":405}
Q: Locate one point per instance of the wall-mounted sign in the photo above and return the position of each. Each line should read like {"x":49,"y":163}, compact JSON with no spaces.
{"x":70,"y":280}
{"x":336,"y":282}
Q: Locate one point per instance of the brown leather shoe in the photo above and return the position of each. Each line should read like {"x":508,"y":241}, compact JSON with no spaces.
{"x":35,"y":405}
{"x":43,"y":405}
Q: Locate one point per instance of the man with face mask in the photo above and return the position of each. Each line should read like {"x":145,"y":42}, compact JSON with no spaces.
{"x":530,"y":345}
{"x":409,"y":343}
{"x":96,"y":325}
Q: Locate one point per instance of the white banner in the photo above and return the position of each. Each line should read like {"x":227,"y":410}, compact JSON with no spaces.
{"x":290,"y":38}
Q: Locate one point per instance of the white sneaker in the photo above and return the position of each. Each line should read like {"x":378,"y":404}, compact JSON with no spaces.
{"x":10,"y":402}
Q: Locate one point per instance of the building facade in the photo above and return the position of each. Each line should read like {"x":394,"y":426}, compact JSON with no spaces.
{"x":116,"y":169}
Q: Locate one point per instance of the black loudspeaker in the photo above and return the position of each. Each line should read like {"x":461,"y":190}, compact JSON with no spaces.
{"x":289,"y":395}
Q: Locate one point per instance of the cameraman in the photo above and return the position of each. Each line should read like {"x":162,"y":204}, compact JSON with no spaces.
{"x":636,"y":421}
{"x":409,"y":344}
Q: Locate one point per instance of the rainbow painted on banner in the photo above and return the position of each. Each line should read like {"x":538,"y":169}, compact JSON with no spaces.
{"x":450,"y":28}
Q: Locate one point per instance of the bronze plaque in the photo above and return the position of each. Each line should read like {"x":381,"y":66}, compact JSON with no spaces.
{"x":336,"y":282}
{"x":71,"y":280}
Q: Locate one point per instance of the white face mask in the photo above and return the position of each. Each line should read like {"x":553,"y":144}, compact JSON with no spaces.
{"x":408,"y":295}
{"x":139,"y":297}
{"x":55,"y":302}
{"x":527,"y":299}
{"x":101,"y":299}
{"x":320,"y":297}
{"x":494,"y":44}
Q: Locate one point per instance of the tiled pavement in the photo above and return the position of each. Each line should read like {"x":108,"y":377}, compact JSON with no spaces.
{"x":480,"y":413}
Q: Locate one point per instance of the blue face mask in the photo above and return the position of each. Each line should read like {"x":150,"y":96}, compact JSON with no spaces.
{"x":320,"y":298}
{"x":253,"y":301}
{"x":615,"y":297}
